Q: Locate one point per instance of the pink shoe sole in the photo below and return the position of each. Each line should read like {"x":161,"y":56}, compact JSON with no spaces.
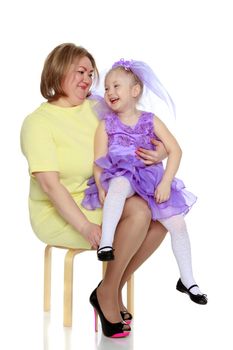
{"x":121,"y":335}
{"x":127,"y":321}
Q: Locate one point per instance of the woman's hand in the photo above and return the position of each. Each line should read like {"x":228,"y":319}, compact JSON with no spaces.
{"x":92,"y":233}
{"x":150,"y":157}
{"x":163,"y":191}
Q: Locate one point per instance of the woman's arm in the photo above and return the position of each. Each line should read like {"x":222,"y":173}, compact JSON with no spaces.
{"x":65,"y":205}
{"x":174,"y":156}
{"x":100,"y":150}
{"x":150,"y":157}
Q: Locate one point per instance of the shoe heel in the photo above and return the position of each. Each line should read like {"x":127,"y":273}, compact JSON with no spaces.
{"x":96,"y":320}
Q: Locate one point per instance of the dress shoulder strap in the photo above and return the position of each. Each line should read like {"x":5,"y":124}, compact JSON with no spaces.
{"x":110,"y":123}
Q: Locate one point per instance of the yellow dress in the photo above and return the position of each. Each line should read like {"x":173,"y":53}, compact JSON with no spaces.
{"x":59,"y":139}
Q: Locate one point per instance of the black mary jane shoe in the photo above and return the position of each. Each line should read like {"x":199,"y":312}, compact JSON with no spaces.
{"x":126,"y":316}
{"x":113,"y":330}
{"x":196,"y":298}
{"x":105,"y":255}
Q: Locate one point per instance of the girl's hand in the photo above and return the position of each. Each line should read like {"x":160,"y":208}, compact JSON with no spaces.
{"x":92,"y":233}
{"x":162,"y":192}
{"x":150,"y":157}
{"x":102,"y":195}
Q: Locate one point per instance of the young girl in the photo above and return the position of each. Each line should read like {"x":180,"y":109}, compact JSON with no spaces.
{"x":119,"y":174}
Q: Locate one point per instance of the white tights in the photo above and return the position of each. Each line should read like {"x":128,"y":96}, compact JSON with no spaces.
{"x":181,"y":249}
{"x":119,"y":190}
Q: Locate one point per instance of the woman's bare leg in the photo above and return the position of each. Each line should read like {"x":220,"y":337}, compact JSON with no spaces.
{"x":152,"y":241}
{"x":131,"y":232}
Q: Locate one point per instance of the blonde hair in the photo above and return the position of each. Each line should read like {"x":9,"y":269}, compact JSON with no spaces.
{"x":56,"y":66}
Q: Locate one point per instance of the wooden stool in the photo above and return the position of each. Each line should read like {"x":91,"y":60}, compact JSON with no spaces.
{"x":68,"y":283}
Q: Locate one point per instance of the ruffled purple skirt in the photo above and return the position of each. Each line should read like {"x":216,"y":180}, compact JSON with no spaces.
{"x":144,"y":180}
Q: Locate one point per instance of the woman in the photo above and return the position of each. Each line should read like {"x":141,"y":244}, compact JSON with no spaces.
{"x":57,"y":140}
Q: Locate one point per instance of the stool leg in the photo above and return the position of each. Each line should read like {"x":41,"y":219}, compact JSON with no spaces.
{"x":68,"y":286}
{"x":47,"y":277}
{"x":130,"y":294}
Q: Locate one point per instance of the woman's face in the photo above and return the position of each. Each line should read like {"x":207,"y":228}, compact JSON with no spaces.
{"x":77,"y":82}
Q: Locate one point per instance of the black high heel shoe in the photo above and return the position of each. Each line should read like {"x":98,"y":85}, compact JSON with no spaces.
{"x":113,"y":330}
{"x":126,"y":316}
{"x":196,"y":298}
{"x":105,"y":255}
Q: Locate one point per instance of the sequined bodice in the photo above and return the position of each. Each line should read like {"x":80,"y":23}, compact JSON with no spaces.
{"x":129,"y":138}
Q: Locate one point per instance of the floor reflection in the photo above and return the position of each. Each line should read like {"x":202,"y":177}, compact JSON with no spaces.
{"x":100,"y":341}
{"x":67,"y":338}
{"x":46,"y":326}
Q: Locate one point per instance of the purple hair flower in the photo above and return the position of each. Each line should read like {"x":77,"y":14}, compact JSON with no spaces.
{"x":122,"y":63}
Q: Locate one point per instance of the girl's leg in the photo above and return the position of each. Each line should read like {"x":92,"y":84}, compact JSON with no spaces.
{"x":181,"y":249}
{"x":119,"y":190}
{"x":130,"y":234}
{"x":152,"y":241}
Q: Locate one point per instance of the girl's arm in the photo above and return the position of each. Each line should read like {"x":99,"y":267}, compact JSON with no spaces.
{"x":100,"y":150}
{"x":173,"y":161}
{"x":65,"y":205}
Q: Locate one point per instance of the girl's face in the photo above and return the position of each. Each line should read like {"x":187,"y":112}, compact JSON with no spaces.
{"x":120,"y":91}
{"x":77,"y":81}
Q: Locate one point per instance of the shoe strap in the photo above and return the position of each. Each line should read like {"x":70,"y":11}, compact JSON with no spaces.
{"x":107,"y":246}
{"x":194,"y":285}
{"x":124,"y":313}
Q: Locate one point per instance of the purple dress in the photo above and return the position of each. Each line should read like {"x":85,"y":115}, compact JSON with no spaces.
{"x":121,"y":160}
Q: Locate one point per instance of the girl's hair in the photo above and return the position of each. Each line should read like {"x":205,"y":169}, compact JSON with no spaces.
{"x":55,"y":67}
{"x":146,"y":78}
{"x":128,"y":71}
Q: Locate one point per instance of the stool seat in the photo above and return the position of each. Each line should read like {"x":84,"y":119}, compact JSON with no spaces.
{"x":68,"y":282}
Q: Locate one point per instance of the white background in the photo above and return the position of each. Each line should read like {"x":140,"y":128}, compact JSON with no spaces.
{"x":188,"y":44}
